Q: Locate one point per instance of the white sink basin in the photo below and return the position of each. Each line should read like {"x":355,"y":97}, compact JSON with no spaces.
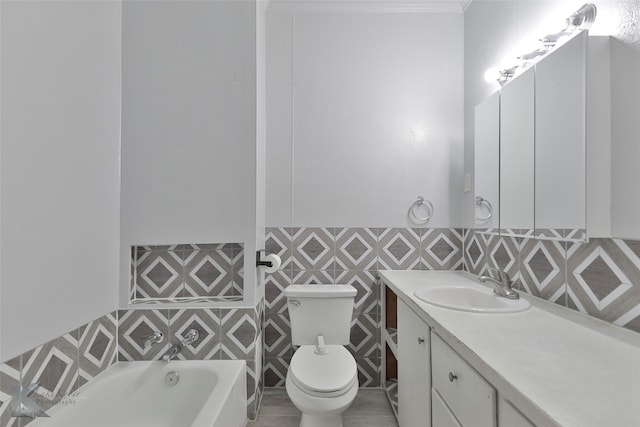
{"x":467,"y":298}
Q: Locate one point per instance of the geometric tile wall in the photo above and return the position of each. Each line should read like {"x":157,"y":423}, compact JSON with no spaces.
{"x":600,"y":278}
{"x":179,"y":272}
{"x":331,"y":255}
{"x":60,"y":366}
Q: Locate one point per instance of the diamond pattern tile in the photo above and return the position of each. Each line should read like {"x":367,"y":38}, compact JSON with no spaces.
{"x":9,"y":380}
{"x":313,"y":249}
{"x":275,"y":371}
{"x":274,"y":287}
{"x":97,"y":342}
{"x":313,"y":278}
{"x":209,"y":273}
{"x":54,"y":366}
{"x":365,"y":336}
{"x":475,"y":252}
{"x":277,"y":336}
{"x":368,"y":297}
{"x":134,"y":327}
{"x":239,"y":332}
{"x":543,"y":269}
{"x":441,"y":249}
{"x":207,"y":322}
{"x":158,"y":274}
{"x":279,"y":241}
{"x":399,"y":249}
{"x":356,"y":248}
{"x":604,"y":280}
{"x":369,"y":371}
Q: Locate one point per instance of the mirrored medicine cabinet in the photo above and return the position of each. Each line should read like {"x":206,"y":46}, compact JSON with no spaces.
{"x":553,"y":146}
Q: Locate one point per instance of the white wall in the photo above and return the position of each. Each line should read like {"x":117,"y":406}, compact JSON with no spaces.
{"x":189,"y":126}
{"x":60,"y":142}
{"x":376,"y":102}
{"x":496,"y":30}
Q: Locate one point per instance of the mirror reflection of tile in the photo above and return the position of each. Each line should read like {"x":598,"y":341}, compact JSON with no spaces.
{"x":187,"y":272}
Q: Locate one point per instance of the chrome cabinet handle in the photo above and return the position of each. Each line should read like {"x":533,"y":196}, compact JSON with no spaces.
{"x":452,"y":376}
{"x":420,"y":340}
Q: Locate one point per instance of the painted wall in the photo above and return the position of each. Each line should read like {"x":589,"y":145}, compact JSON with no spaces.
{"x":189,"y":126}
{"x":364,"y":113}
{"x":60,"y":145}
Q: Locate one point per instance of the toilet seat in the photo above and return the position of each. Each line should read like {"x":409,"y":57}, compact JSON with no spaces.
{"x":327,"y":375}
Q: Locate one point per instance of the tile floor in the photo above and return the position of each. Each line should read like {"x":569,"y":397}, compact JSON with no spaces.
{"x":370,"y":409}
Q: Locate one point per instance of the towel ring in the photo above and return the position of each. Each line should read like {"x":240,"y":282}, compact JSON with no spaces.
{"x":482,"y":201}
{"x":421,"y":202}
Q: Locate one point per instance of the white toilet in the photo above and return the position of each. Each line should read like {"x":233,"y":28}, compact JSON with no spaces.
{"x":322,"y":380}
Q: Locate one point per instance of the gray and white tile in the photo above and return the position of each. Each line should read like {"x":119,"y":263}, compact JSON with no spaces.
{"x":543,"y":269}
{"x":399,"y":249}
{"x":204,"y":320}
{"x":98,"y":345}
{"x":159,"y":273}
{"x":134,"y":327}
{"x":441,"y":249}
{"x":356,"y":248}
{"x":239,"y":332}
{"x":313,"y":249}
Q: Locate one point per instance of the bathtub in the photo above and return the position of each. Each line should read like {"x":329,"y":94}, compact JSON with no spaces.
{"x":135,"y":394}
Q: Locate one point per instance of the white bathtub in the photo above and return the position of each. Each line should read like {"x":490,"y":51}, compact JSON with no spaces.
{"x":134,"y":394}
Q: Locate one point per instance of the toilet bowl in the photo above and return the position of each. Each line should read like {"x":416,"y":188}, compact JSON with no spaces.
{"x":322,"y":386}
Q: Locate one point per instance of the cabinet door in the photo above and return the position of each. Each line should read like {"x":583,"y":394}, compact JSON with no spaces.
{"x":442,"y":415}
{"x":509,"y":416}
{"x":414,"y":379}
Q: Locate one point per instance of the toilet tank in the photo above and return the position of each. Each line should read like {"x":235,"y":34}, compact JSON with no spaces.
{"x":320,"y":310}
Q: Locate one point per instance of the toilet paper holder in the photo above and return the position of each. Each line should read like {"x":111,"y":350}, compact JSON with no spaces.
{"x":259,"y":262}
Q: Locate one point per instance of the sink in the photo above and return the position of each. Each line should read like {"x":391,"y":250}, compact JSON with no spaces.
{"x":468,"y":298}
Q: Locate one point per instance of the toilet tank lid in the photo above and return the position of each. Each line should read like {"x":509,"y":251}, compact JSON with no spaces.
{"x":324,"y":291}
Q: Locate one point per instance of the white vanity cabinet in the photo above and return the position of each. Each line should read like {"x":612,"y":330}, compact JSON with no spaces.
{"x":414,"y":376}
{"x":469,"y":397}
{"x":509,"y":416}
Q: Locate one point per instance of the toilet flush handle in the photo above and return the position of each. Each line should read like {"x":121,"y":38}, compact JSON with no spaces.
{"x":294,"y":302}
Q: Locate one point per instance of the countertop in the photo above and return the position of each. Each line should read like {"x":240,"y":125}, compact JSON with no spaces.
{"x":558,"y":366}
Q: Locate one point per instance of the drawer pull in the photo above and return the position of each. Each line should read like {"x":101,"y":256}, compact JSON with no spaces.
{"x":420,"y":340}
{"x":452,"y":376}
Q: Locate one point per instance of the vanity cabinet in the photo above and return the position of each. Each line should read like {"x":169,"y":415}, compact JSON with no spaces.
{"x":414,"y":373}
{"x":468,"y":396}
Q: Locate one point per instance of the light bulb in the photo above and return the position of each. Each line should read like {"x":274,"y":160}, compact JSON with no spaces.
{"x":492,"y":75}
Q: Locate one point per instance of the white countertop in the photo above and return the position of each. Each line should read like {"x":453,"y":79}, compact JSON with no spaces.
{"x":558,"y":366}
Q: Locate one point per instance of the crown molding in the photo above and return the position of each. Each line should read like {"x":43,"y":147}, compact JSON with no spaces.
{"x":368,"y":6}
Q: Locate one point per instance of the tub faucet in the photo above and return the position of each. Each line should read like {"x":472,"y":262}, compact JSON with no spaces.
{"x":501,"y":283}
{"x":189,"y":338}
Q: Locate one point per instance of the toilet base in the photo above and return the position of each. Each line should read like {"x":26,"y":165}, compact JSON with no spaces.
{"x":321,"y":420}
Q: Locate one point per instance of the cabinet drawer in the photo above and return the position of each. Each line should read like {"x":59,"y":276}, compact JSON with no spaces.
{"x":469,"y":396}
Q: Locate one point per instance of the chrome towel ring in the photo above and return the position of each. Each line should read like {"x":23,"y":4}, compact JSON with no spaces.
{"x":416,"y":205}
{"x":482,"y":201}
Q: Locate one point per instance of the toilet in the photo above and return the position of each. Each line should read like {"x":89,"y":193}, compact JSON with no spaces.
{"x":322,"y":380}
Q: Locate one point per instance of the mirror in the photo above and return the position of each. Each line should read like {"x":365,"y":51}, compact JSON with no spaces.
{"x":517,"y":154}
{"x":536,"y":127}
{"x":487,"y":165}
{"x":560,"y":135}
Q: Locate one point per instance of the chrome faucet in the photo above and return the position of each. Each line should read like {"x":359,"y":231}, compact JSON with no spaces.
{"x":501,"y":283}
{"x":156,"y":338}
{"x":189,"y":338}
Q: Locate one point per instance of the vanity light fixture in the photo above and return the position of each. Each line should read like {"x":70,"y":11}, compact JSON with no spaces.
{"x":580,"y":20}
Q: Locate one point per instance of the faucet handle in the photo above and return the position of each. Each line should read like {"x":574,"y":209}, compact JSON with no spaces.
{"x":153,"y":339}
{"x":190,"y":337}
